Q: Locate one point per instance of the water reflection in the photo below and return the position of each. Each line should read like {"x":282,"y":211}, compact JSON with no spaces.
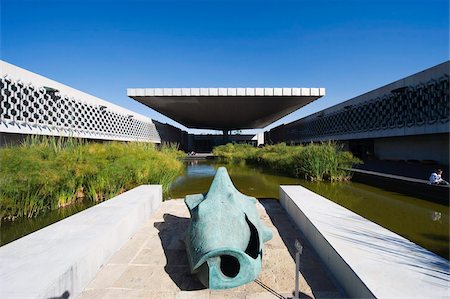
{"x":12,"y":230}
{"x":425,"y":223}
{"x":436,"y":216}
{"x":196,"y":169}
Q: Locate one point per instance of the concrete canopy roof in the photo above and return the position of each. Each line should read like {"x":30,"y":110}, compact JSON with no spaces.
{"x":225,"y":108}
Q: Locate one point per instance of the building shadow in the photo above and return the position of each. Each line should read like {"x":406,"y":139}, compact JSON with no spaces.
{"x":314,"y":271}
{"x":171,"y":234}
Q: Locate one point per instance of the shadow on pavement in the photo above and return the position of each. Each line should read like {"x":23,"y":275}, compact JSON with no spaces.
{"x":171,"y":233}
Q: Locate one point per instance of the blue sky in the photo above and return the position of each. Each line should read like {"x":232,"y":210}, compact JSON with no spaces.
{"x":104,"y":47}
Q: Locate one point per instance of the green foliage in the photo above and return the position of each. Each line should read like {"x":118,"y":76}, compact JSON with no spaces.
{"x":316,"y":162}
{"x":48,"y":172}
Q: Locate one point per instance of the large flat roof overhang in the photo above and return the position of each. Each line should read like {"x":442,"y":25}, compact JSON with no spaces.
{"x":225,"y":108}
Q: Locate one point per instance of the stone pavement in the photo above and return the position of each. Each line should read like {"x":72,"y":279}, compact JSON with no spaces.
{"x":153,"y":264}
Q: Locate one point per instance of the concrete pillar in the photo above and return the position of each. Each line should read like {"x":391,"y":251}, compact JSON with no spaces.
{"x":225,"y":136}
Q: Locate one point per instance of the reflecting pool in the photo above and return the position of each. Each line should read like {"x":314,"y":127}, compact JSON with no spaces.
{"x":425,"y":223}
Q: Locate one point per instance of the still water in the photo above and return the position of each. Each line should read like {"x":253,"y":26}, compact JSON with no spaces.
{"x":425,"y":223}
{"x":13,"y":230}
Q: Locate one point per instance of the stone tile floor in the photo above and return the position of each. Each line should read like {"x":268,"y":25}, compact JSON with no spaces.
{"x":153,"y":263}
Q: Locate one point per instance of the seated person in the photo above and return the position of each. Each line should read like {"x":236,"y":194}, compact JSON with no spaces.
{"x":436,"y":178}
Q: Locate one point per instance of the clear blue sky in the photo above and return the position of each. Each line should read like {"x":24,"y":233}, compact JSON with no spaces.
{"x":103,"y":47}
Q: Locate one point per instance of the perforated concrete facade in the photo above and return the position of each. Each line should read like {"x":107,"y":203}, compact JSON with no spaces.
{"x":418,"y":104}
{"x":32,"y":104}
{"x":422,"y":105}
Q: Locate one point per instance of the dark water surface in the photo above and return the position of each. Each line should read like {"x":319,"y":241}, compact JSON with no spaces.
{"x":425,"y":223}
{"x":13,"y":230}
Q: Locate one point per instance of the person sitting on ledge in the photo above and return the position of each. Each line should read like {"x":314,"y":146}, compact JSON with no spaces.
{"x":436,"y":178}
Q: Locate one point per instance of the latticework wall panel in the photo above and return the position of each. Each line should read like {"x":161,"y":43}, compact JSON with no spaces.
{"x":418,"y":106}
{"x":27,"y":109}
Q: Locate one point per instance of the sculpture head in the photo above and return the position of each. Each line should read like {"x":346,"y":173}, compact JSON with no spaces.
{"x":225,"y":237}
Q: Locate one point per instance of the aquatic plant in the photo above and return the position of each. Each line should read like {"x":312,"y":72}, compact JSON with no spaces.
{"x":50,"y":172}
{"x":315,"y":161}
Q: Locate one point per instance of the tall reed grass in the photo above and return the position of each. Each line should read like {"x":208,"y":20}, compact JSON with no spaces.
{"x":48,"y":173}
{"x":315,"y":162}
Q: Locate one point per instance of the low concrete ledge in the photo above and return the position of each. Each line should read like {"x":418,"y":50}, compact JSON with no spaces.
{"x":410,"y":186}
{"x":368,"y":260}
{"x":65,"y":256}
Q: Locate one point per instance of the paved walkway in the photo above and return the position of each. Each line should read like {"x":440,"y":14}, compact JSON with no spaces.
{"x":153,"y":264}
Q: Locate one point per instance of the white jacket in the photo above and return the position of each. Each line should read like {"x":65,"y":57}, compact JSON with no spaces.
{"x":435,"y":178}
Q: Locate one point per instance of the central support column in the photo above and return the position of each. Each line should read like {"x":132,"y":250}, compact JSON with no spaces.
{"x":225,"y":136}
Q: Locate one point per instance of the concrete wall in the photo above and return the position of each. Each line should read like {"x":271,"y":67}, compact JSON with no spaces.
{"x":171,"y":134}
{"x":368,"y":260}
{"x":389,"y":122}
{"x":259,"y":138}
{"x":415,"y":105}
{"x":25,"y":76}
{"x":420,"y":147}
{"x":61,"y":259}
{"x":275,"y":135}
{"x":33,"y":104}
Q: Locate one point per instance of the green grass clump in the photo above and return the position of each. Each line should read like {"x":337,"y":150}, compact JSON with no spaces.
{"x":48,"y":173}
{"x":315,"y":162}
